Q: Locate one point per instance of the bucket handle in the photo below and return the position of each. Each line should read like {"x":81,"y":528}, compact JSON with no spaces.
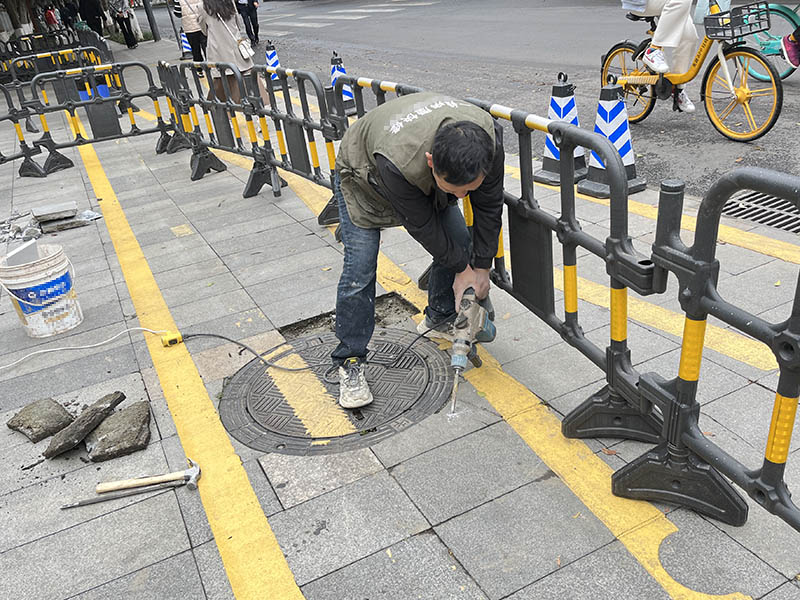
{"x":52,"y":300}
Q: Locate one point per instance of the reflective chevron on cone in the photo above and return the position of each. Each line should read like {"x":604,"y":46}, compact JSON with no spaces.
{"x":562,"y":108}
{"x":272,"y":57}
{"x":612,"y":122}
{"x":337,"y":69}
{"x":186,"y":47}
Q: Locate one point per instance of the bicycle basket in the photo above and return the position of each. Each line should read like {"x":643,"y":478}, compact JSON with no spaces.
{"x":737,"y":22}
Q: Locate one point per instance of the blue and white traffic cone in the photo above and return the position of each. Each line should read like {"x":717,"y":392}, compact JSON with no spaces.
{"x":612,"y":122}
{"x":186,"y":47}
{"x":562,"y":108}
{"x":272,"y":58}
{"x":337,"y":69}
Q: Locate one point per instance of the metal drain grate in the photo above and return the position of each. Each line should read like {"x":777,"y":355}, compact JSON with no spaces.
{"x":764,"y":209}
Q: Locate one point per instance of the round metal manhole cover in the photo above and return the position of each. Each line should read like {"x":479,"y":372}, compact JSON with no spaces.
{"x":298,"y":412}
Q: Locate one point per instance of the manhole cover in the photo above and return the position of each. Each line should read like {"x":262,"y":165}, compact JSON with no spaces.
{"x":298,"y":413}
{"x":763,"y":208}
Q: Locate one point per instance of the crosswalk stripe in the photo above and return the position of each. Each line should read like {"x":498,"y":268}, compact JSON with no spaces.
{"x":367,"y":10}
{"x":338,"y":17}
{"x":405,"y":4}
{"x":296,"y":24}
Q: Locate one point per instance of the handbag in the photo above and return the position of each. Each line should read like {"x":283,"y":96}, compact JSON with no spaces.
{"x":243,"y":44}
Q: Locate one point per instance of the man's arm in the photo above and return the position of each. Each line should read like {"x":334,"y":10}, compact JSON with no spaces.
{"x":417,"y":213}
{"x":487,"y":208}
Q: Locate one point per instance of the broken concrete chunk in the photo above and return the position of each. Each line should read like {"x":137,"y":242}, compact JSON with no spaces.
{"x":63,"y":224}
{"x":123,"y":432}
{"x":54,"y":211}
{"x":75,"y":432}
{"x":40,"y":419}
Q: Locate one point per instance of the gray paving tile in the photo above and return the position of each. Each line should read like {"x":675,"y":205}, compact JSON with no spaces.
{"x":609,"y":573}
{"x":34,"y":512}
{"x":702,"y":557}
{"x":262,"y":487}
{"x":788,"y":591}
{"x":300,"y":478}
{"x":643,"y":342}
{"x":170,"y":262}
{"x":419,"y":567}
{"x":192,"y":291}
{"x":468,"y":472}
{"x":259,"y":226}
{"x":215,"y":307}
{"x":288,"y":266}
{"x":175,"y":578}
{"x":39,"y":568}
{"x":274,"y":251}
{"x":336,"y":529}
{"x":193,"y":272}
{"x":297,"y":308}
{"x":212,"y":572}
{"x":472,"y":413}
{"x":761,"y":288}
{"x":237,"y":326}
{"x":505,"y":544}
{"x":520,"y":336}
{"x":303,"y":283}
{"x":268,"y":241}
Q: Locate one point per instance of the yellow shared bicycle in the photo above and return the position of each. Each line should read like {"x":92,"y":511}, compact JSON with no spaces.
{"x":742,"y":91}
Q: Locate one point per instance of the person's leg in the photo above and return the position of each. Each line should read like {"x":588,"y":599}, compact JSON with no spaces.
{"x":686,"y":47}
{"x":127,"y":32}
{"x":196,"y":42}
{"x":441,"y":300}
{"x":790,"y":45}
{"x":243,"y":13}
{"x":355,"y":297}
{"x":254,"y":17}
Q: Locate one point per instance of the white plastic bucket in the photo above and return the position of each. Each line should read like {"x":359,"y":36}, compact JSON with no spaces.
{"x":43,"y":292}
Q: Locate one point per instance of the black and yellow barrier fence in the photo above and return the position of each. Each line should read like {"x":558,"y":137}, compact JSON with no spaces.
{"x":20,"y":148}
{"x":62,"y":39}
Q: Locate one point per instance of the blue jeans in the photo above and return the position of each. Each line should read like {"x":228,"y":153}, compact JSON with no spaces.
{"x":355,"y":298}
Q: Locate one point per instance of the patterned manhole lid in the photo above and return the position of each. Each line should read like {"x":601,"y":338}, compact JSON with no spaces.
{"x":298,"y":413}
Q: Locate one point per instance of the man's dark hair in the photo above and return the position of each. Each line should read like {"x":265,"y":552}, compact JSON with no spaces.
{"x":462,"y":151}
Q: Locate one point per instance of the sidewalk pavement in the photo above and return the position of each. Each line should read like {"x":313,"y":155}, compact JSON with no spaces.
{"x":491,"y":504}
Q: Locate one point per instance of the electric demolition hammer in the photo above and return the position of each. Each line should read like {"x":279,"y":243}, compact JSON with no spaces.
{"x":473,"y":324}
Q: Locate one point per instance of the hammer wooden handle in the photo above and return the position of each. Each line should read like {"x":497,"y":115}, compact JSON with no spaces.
{"x":125,"y":484}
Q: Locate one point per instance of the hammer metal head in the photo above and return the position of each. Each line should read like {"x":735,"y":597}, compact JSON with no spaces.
{"x":192,"y":474}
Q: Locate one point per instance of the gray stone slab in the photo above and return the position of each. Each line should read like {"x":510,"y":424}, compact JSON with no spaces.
{"x":299,"y":308}
{"x":174,"y":578}
{"x":300,"y":478}
{"x":169,"y":262}
{"x":510,"y":542}
{"x":704,"y":558}
{"x":258,"y":226}
{"x":748,"y":413}
{"x":262,"y":487}
{"x":39,"y":568}
{"x":788,"y":591}
{"x":300,"y":284}
{"x":761,"y":288}
{"x":193,"y":272}
{"x":212,"y":308}
{"x":544,"y":372}
{"x":520,"y":336}
{"x":336,"y":529}
{"x":420,"y":567}
{"x":214,"y":285}
{"x":288,"y":266}
{"x":68,"y":376}
{"x":274,"y":251}
{"x":468,"y":472}
{"x":472,"y":413}
{"x":212,"y":572}
{"x":269,"y":241}
{"x":174,"y":246}
{"x":34,"y":512}
{"x":609,"y":573}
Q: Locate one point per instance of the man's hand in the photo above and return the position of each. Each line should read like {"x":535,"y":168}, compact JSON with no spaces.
{"x":477,"y":279}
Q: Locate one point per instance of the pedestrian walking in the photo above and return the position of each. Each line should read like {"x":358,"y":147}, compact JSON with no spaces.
{"x":189,"y":13}
{"x":405,"y":163}
{"x":225,"y":43}
{"x":121,"y":11}
{"x":92,"y":12}
{"x":248,"y":11}
{"x":50,"y":18}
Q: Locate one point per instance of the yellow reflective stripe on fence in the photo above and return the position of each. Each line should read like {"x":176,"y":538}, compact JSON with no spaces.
{"x":331,"y":155}
{"x":19,"y":132}
{"x":468,"y":217}
{"x":130,"y":116}
{"x":251,"y":130}
{"x":193,"y":112}
{"x":186,"y":122}
{"x":780,"y":430}
{"x":312,"y":146}
{"x":501,"y":251}
{"x":694,"y":333}
{"x":388,"y":86}
{"x":571,"y":288}
{"x":619,"y":314}
{"x":281,"y":142}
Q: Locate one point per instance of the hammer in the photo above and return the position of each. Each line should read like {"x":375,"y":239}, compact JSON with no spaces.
{"x":190,"y":476}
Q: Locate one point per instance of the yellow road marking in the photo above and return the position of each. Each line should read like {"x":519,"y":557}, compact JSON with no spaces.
{"x":319,"y":412}
{"x":730,"y":235}
{"x":640,"y":526}
{"x":254,"y":563}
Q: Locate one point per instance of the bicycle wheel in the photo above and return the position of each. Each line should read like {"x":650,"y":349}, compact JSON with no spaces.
{"x":639,"y":99}
{"x":769,"y":42}
{"x":749,"y":109}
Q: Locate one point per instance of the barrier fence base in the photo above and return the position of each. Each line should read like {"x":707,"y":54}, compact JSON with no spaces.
{"x":605,"y":414}
{"x":29,"y":126}
{"x":178,"y":142}
{"x":56,"y":162}
{"x":596,"y":182}
{"x":163,"y":142}
{"x":329,"y":214}
{"x":30,"y":168}
{"x":260,"y":174}
{"x":669,"y":474}
{"x":204,"y":161}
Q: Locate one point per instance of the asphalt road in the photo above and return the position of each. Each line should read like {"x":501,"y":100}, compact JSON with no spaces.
{"x":510,"y":52}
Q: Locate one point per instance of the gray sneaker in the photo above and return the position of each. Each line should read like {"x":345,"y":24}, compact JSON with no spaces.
{"x":353,"y":388}
{"x":442,"y":332}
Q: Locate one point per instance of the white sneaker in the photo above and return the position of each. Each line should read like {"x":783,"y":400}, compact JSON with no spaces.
{"x":684,"y":103}
{"x":353,"y":388}
{"x":442,"y":332}
{"x":654,"y":59}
